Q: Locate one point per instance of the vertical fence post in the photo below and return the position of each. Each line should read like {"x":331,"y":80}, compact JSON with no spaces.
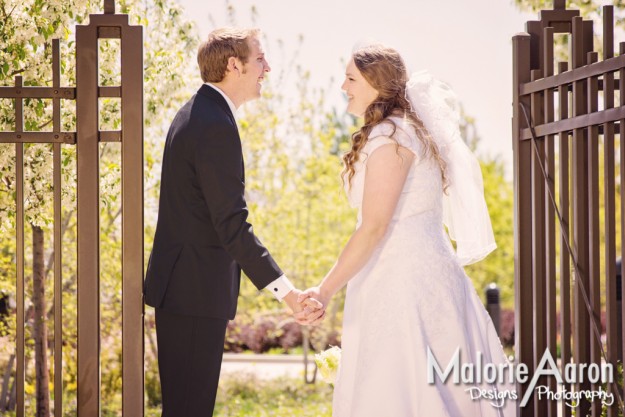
{"x":622,"y":190}
{"x":565,"y":261}
{"x":58,"y":278}
{"x":20,"y":373}
{"x":88,"y":216}
{"x":522,"y":218}
{"x":132,"y":219}
{"x":110,"y":25}
{"x":580,"y":212}
{"x":609,"y":203}
{"x":550,"y":217}
{"x":619,"y":306}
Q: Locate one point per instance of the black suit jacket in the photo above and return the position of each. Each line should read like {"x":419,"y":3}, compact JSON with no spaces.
{"x":202,"y":237}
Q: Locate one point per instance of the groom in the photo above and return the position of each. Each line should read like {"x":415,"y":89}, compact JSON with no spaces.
{"x":202,"y":238}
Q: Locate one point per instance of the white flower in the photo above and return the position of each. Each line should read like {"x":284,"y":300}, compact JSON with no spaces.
{"x":328,"y":363}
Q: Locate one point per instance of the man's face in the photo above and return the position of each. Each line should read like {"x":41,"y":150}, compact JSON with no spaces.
{"x":253,"y":72}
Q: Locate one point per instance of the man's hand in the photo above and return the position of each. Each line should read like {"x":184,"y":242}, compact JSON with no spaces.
{"x":321,"y":301}
{"x":307,"y":311}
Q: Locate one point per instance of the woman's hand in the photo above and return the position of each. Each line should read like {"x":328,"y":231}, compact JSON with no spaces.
{"x":316,"y":294}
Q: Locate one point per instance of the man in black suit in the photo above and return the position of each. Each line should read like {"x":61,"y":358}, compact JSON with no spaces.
{"x":202,"y":238}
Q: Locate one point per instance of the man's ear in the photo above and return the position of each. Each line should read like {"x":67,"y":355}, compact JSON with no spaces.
{"x":234,"y":65}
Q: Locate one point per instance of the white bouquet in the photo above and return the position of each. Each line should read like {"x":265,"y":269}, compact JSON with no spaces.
{"x":328,"y":363}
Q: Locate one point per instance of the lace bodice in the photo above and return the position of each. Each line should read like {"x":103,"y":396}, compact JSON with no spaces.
{"x":423,"y":189}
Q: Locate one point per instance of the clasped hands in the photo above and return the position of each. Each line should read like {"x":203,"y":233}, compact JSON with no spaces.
{"x":309,"y":306}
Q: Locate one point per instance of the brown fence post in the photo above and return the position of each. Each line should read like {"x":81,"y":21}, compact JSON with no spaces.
{"x":609,"y":202}
{"x":522,"y":217}
{"x":550,"y":217}
{"x":104,"y":26}
{"x":565,"y":261}
{"x":538,"y":233}
{"x":19,"y":187}
{"x":58,"y":266}
{"x":132,"y":220}
{"x":580,"y":211}
{"x":88,"y":216}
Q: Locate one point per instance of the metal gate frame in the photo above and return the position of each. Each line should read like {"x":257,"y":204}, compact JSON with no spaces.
{"x":86,"y":139}
{"x":537,"y":216}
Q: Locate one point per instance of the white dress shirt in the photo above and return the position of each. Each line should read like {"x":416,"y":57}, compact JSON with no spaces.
{"x":281,"y":286}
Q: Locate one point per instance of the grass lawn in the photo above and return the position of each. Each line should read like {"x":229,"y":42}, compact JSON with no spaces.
{"x":244,"y":395}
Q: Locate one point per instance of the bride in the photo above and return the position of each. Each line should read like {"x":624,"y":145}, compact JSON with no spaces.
{"x":409,"y":172}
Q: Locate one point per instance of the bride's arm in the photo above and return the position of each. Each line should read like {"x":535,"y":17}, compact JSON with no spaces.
{"x":386,"y":172}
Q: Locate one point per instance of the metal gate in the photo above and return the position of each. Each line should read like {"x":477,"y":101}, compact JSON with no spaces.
{"x":86,"y":138}
{"x":563,"y":115}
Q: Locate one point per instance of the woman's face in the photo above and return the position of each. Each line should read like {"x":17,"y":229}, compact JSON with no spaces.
{"x":359,"y":92}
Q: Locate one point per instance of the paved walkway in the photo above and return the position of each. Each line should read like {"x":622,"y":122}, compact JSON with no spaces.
{"x":267,"y":366}
{"x":272,"y":366}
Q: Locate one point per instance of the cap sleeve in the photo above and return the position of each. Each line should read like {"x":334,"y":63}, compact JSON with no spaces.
{"x":384,"y":133}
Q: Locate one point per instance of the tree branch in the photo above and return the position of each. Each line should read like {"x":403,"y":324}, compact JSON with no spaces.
{"x":104,"y":146}
{"x":113,"y":218}
{"x":50,"y":314}
{"x":19,"y":71}
{"x":64,"y":227}
{"x":7,"y":16}
{"x":44,"y":125}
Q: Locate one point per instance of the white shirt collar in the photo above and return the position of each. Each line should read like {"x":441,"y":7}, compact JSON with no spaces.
{"x":233,"y":109}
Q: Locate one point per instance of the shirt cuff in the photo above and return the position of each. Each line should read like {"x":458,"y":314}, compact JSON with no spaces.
{"x":280,"y":287}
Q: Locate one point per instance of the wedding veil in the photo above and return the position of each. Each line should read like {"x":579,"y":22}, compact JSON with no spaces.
{"x":464,"y":209}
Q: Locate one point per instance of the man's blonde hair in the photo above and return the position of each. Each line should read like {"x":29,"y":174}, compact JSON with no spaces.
{"x":213,"y":53}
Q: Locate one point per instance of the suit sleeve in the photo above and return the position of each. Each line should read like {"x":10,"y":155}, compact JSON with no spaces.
{"x":219,"y":167}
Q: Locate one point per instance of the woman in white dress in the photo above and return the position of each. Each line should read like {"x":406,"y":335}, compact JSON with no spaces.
{"x":408,"y":171}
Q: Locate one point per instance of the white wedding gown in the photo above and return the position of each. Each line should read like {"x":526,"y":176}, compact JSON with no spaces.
{"x":411,"y":294}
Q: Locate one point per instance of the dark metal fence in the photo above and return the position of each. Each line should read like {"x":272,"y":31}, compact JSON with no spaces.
{"x":86,"y":139}
{"x":569,"y":151}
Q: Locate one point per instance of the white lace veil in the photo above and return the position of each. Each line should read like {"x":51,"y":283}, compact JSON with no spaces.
{"x":464,"y":210}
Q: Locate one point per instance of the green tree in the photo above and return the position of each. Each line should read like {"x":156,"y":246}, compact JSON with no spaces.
{"x":498,"y":267}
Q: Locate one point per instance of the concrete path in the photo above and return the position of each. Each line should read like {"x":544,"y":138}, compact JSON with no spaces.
{"x":267,"y":366}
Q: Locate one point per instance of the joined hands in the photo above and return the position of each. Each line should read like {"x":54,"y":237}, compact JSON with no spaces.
{"x":309,"y":307}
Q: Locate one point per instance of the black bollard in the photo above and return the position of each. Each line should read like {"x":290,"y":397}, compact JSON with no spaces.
{"x":4,"y":304}
{"x":4,"y":311}
{"x":492,"y":304}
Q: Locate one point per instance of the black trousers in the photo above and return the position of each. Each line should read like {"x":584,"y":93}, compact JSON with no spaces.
{"x":190,"y":350}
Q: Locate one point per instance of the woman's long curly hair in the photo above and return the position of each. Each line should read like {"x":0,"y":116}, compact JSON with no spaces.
{"x":384,"y":69}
